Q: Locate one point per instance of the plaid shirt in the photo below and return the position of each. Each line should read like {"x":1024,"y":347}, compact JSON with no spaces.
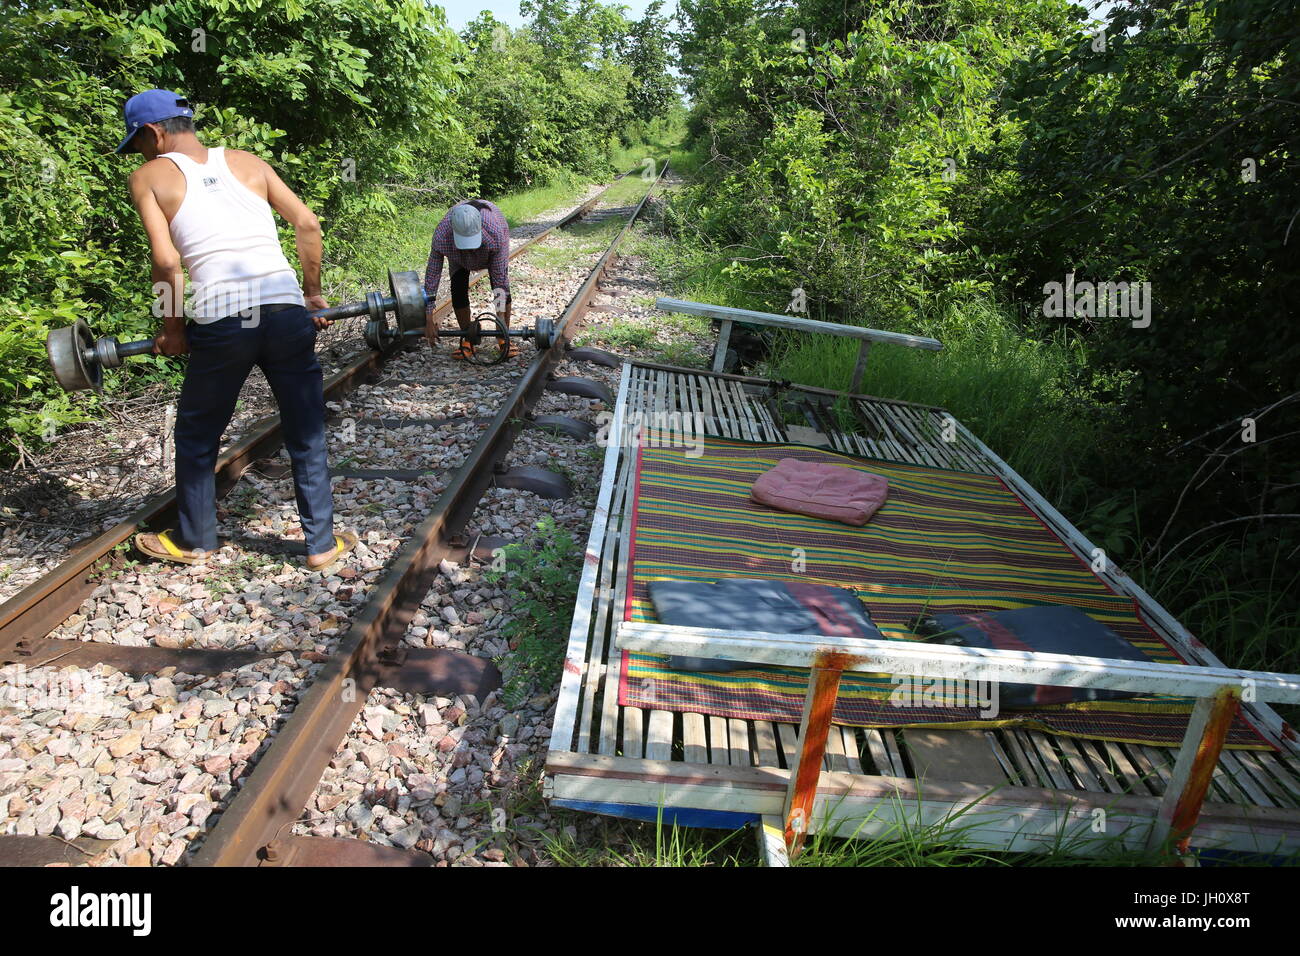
{"x":493,"y":254}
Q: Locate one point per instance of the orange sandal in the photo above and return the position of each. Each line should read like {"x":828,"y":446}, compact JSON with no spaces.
{"x":465,"y":352}
{"x":508,"y":348}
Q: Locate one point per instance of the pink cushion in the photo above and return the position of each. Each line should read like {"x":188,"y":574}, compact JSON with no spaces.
{"x":822,"y":491}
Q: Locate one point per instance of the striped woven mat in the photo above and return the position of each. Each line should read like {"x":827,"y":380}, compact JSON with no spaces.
{"x":945,"y":541}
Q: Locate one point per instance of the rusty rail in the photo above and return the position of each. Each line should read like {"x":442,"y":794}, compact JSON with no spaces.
{"x":30,"y":615}
{"x":251,"y":830}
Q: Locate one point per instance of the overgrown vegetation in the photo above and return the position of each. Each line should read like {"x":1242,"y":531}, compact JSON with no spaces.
{"x":901,"y":840}
{"x":934,"y":167}
{"x":540,"y":575}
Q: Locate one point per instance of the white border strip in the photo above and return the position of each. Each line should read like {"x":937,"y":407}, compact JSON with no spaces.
{"x":725,"y":314}
{"x":564,"y":724}
{"x":953,"y":662}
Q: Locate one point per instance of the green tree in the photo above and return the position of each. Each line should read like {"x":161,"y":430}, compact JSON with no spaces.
{"x":1164,"y":151}
{"x":575,"y":31}
{"x":647,"y":50}
{"x":837,"y":148}
{"x":535,"y":114}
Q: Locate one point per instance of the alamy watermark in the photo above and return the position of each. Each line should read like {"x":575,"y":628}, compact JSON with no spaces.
{"x":213,"y":300}
{"x":654,"y":430}
{"x":938,"y":692}
{"x":1098,"y":300}
{"x":76,"y":908}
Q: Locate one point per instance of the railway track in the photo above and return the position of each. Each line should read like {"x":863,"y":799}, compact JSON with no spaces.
{"x":280,"y":679}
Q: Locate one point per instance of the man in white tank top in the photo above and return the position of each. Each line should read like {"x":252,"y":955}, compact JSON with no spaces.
{"x":209,"y":211}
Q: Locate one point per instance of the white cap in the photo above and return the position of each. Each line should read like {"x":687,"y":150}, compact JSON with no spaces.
{"x":466,"y":226}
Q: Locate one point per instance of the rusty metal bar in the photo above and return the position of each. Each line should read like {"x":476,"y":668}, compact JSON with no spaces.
{"x":308,"y":851}
{"x":1197,"y":757}
{"x":46,"y":651}
{"x":818,"y":706}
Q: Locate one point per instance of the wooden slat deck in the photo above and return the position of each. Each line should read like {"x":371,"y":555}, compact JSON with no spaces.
{"x":1030,"y":790}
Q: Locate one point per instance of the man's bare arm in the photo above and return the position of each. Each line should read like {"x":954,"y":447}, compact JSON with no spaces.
{"x":167,"y":277}
{"x":499,"y":274}
{"x":307,"y":235}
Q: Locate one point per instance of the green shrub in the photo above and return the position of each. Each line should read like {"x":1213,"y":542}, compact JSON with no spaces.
{"x":540,"y":575}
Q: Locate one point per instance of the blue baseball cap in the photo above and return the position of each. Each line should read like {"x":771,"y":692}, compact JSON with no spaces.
{"x":151,"y":106}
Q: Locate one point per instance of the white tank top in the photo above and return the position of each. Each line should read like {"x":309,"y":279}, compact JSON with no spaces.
{"x":227,"y":239}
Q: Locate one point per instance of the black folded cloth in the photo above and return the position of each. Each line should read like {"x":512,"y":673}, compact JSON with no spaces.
{"x":759,"y":605}
{"x":1048,"y":629}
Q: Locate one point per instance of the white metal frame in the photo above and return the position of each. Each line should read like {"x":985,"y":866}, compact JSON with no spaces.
{"x":857,"y":804}
{"x":919,"y":659}
{"x":727,"y":316}
{"x":1218,"y":691}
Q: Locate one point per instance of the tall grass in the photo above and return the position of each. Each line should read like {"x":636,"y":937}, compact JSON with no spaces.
{"x":902,"y":841}
{"x":399,"y":243}
{"x":1007,"y":389}
{"x":1254,"y":625}
{"x":624,"y":843}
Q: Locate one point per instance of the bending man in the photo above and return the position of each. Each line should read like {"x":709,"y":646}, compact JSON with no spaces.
{"x":473,"y":235}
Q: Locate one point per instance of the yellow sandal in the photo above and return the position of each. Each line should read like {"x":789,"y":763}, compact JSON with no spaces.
{"x":343,"y":543}
{"x":160,"y":547}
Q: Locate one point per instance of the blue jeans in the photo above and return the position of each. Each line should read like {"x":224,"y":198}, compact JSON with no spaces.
{"x":282,"y":343}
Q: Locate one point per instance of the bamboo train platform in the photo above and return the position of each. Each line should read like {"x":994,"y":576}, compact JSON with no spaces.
{"x":1008,"y":789}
